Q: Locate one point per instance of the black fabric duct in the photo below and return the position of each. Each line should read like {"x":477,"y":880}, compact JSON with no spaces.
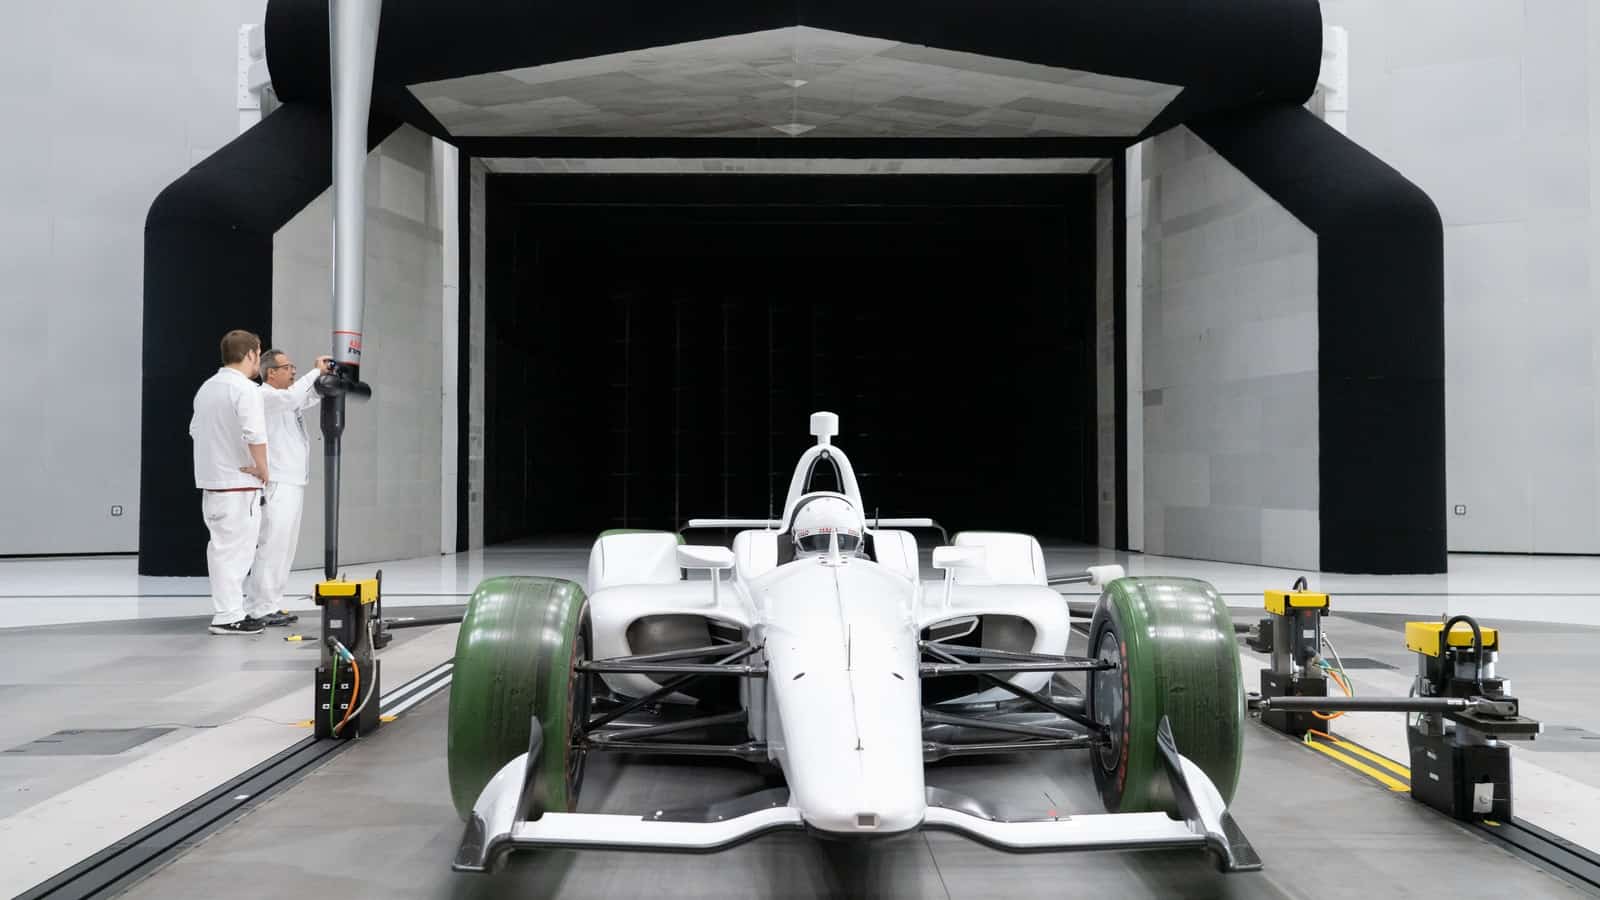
{"x":208,"y":269}
{"x":1243,"y":67}
{"x":1380,"y":323}
{"x":1224,"y":54}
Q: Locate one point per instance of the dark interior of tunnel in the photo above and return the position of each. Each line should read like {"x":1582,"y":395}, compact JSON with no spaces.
{"x":655,"y":345}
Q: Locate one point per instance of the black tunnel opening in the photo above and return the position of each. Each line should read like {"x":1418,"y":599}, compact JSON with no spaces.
{"x":655,"y":344}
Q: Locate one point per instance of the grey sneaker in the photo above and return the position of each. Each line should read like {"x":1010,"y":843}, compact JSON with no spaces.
{"x":246,"y":625}
{"x":279,"y":619}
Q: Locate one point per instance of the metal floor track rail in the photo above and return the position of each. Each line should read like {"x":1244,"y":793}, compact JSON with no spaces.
{"x":1571,"y":862}
{"x":149,"y":847}
{"x":1575,"y":864}
{"x":141,"y":853}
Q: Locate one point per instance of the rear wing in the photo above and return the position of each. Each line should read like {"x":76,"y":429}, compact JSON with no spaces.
{"x":775,"y":524}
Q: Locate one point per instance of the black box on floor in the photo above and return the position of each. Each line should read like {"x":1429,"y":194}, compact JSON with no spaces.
{"x":1470,"y":782}
{"x":333,"y":699}
{"x":1296,"y":723}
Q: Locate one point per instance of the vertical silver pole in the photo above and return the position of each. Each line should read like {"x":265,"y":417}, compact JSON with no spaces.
{"x":352,"y":47}
{"x":353,"y":43}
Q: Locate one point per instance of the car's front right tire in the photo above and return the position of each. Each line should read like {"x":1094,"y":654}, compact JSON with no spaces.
{"x":515,"y":660}
{"x":1174,"y":654}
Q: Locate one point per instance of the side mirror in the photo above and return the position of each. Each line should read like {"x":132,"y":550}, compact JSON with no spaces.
{"x":950,"y":558}
{"x":1100,"y":576}
{"x":957,"y":557}
{"x":694,"y":556}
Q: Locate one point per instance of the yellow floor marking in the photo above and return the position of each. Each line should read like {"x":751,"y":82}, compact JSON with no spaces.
{"x":1378,"y":758}
{"x":1378,"y":775}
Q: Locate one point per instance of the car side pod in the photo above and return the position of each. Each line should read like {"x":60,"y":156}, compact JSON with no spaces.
{"x":499,"y":822}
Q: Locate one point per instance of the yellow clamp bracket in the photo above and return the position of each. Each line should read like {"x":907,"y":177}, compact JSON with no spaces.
{"x":1423,"y":637}
{"x":1280,"y":602}
{"x":366,"y":590}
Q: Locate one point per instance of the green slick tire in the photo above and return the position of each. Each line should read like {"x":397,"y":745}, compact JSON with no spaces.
{"x":1174,"y":645}
{"x":514,"y":661}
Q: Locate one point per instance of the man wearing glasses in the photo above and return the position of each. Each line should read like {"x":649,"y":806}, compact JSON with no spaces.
{"x":284,"y":399}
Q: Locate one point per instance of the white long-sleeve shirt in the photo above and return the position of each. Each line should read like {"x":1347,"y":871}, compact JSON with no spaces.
{"x":288,"y":445}
{"x":228,"y":416}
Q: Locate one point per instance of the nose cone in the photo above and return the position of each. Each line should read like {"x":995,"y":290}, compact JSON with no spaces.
{"x":842,"y":677}
{"x":873,"y":799}
{"x":855,"y":774}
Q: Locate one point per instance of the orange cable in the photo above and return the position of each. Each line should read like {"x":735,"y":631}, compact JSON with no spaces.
{"x":355,"y":694}
{"x":1329,"y":717}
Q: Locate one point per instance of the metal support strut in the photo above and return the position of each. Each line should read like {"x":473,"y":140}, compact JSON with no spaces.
{"x":352,"y":609}
{"x":353,"y":47}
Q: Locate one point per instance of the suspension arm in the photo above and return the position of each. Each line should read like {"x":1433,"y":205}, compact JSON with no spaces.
{"x":1019,"y":691}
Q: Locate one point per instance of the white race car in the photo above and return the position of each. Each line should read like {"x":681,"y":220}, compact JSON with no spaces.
{"x":815,"y":646}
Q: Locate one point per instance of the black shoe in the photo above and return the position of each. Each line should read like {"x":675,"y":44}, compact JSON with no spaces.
{"x":246,"y":625}
{"x":279,"y":619}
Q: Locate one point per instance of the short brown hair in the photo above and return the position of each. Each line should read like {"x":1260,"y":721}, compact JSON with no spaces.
{"x":237,"y":344}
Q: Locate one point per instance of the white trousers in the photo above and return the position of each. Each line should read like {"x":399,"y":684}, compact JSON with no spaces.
{"x":280,"y":535}
{"x":234,"y":520}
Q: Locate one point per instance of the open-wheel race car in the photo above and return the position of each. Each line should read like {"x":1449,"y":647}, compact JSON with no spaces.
{"x":814,"y":647}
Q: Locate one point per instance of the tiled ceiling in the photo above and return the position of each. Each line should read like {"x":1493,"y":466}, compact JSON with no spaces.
{"x":588,"y":166}
{"x":801,"y":82}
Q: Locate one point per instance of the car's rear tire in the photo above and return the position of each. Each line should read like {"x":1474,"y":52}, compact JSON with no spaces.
{"x":514,"y":661}
{"x":1176,"y":656}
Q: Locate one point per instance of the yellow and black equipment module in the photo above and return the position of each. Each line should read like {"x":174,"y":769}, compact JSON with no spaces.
{"x":347,"y":678}
{"x":1460,"y":717}
{"x":1292,"y":636}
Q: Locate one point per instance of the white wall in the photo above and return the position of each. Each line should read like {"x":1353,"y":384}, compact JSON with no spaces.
{"x":1493,"y":108}
{"x":1133,"y":226}
{"x":391,"y":478}
{"x":447,"y":179}
{"x":1229,"y":335}
{"x":1105,"y":350}
{"x":104,"y":105}
{"x":476,"y":345}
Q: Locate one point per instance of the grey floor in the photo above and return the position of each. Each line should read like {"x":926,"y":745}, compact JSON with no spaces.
{"x":1323,"y":831}
{"x":168,"y":678}
{"x":377,"y":822}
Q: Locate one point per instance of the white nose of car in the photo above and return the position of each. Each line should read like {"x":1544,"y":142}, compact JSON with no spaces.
{"x":842,"y":666}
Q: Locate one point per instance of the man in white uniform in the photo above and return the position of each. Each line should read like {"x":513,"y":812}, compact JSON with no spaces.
{"x":230,"y":466}
{"x":289,"y":453}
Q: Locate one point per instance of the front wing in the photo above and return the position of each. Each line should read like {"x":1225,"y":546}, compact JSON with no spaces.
{"x":498,"y":824}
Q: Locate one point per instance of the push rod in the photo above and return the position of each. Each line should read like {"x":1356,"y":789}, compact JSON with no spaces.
{"x":667,"y":655}
{"x":750,"y":751}
{"x":933,"y":751}
{"x":666,"y":689}
{"x":671,"y":668}
{"x":642,"y":735}
{"x":422,"y":622}
{"x":1018,"y":691}
{"x":1367,"y":704}
{"x":997,"y":653}
{"x":934,"y":717}
{"x":939,"y":670}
